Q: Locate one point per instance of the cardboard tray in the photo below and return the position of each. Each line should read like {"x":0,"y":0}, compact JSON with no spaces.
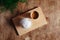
{"x":36,"y":23}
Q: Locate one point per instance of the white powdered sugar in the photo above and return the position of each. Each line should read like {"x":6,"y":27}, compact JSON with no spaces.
{"x":26,"y":23}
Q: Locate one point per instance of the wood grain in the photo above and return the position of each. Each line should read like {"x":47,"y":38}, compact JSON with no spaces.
{"x":51,"y":9}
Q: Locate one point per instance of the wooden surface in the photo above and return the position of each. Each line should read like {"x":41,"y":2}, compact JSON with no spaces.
{"x":36,"y":23}
{"x":51,"y":9}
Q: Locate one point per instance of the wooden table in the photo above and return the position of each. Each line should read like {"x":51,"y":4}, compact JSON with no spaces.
{"x":51,"y":9}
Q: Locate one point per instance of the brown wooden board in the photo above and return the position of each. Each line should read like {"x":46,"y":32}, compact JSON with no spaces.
{"x":36,"y":23}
